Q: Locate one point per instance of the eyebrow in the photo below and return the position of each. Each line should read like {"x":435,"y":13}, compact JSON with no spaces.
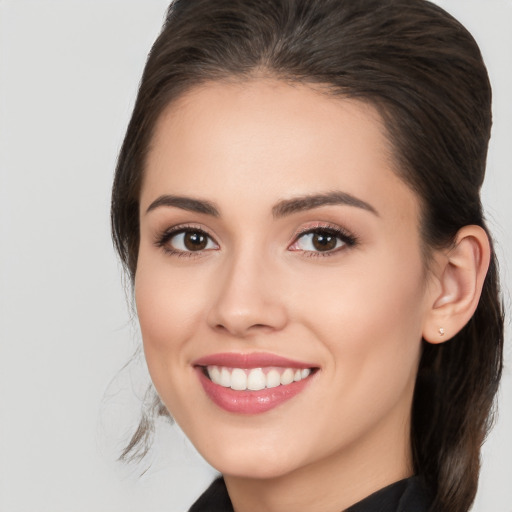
{"x":309,"y":202}
{"x":185,"y":203}
{"x":281,"y":209}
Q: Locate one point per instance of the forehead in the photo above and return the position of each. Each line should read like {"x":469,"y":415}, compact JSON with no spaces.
{"x":263,"y":140}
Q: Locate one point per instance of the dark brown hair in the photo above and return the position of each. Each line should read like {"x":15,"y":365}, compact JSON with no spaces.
{"x":424,"y":72}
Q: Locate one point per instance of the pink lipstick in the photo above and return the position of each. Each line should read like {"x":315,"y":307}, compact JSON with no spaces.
{"x":252,"y":383}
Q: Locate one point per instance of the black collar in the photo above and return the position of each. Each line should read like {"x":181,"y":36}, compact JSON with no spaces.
{"x":403,"y":496}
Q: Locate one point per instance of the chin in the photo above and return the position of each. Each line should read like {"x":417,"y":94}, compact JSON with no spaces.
{"x":253,"y":463}
{"x":261,"y":469}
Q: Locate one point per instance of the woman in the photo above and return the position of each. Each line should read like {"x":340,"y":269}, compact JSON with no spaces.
{"x":297,"y":204}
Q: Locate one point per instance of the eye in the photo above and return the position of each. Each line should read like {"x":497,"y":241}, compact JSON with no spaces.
{"x":186,"y":240}
{"x":322,"y":240}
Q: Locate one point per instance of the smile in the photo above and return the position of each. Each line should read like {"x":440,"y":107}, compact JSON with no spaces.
{"x":252,"y":383}
{"x":255,"y":379}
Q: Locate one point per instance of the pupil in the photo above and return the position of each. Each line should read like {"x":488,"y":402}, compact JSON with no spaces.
{"x":195,"y":241}
{"x":323,"y":242}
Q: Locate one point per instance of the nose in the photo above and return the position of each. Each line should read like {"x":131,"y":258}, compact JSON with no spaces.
{"x":247,"y":300}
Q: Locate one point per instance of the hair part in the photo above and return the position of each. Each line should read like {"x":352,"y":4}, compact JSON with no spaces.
{"x":424,"y":73}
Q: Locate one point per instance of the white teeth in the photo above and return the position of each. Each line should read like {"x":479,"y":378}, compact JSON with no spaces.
{"x":257,"y":378}
{"x":215,"y":374}
{"x":238,"y":380}
{"x":287,"y":376}
{"x":273,"y":379}
{"x":225,"y":378}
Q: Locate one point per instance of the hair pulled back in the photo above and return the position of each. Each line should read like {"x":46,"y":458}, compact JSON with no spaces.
{"x":424,"y":72}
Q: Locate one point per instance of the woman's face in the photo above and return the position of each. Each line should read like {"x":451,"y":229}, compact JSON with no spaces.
{"x":278,"y":245}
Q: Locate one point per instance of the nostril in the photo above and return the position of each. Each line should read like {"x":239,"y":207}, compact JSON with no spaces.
{"x":238,"y":330}
{"x":242,"y":314}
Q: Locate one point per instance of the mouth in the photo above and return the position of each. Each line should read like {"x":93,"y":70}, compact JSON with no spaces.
{"x":255,"y":379}
{"x":252,"y":383}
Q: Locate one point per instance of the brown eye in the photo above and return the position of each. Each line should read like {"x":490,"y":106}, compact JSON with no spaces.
{"x":187,"y":241}
{"x":195,"y":241}
{"x":324,"y":241}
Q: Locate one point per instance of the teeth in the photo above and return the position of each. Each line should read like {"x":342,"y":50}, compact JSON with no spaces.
{"x":273,"y":379}
{"x":225,"y":378}
{"x":215,"y":374}
{"x":287,"y":377}
{"x":238,"y":379}
{"x":257,"y":378}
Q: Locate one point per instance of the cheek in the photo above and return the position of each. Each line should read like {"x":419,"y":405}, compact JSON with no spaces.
{"x":169,"y":306}
{"x":370,"y":318}
{"x":382,"y":294}
{"x":169,"y":311}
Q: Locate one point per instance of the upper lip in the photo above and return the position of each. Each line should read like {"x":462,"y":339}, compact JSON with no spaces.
{"x":248,"y":361}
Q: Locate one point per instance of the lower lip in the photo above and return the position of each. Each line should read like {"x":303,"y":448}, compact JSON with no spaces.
{"x":250,"y":402}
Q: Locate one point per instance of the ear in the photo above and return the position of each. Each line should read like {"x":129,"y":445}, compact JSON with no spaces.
{"x":459,"y":278}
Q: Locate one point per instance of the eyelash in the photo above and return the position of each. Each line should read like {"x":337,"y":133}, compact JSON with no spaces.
{"x":348,"y":240}
{"x":163,"y":239}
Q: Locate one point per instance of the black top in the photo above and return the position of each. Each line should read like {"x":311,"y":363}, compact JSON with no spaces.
{"x":409,"y":495}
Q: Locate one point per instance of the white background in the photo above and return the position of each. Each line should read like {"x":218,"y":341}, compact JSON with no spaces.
{"x":68,"y":76}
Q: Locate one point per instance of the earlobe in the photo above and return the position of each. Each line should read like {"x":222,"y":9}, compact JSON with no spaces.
{"x":460,"y":279}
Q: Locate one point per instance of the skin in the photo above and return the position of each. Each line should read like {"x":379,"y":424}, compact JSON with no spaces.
{"x":356,"y":313}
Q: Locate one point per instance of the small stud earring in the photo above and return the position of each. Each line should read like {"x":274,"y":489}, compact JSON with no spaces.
{"x":441,"y":331}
